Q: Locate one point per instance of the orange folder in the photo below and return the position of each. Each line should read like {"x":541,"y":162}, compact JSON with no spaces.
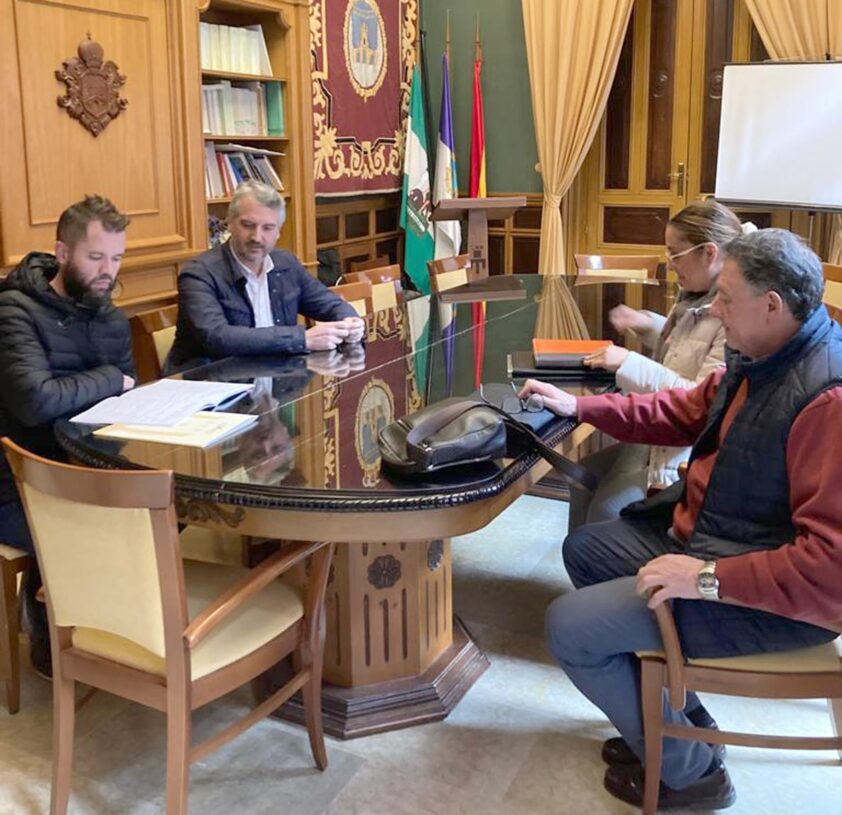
{"x":564,"y":353}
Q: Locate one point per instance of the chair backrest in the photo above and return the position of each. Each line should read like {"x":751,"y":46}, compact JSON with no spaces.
{"x":107,"y":545}
{"x":364,"y":265}
{"x":386,"y":290}
{"x":357,"y":295}
{"x":447,"y":273}
{"x":832,"y":297}
{"x":153,"y":333}
{"x":626,"y":267}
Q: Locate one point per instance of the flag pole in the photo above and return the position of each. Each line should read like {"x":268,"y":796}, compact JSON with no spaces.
{"x":477,"y":44}
{"x":447,"y":37}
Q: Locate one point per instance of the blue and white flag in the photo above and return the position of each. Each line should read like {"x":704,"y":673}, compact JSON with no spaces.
{"x":448,"y":233}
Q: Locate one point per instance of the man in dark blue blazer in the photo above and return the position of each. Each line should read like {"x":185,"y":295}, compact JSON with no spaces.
{"x":244,"y":297}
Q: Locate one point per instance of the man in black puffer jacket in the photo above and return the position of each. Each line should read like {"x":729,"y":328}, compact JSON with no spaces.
{"x":63,"y":347}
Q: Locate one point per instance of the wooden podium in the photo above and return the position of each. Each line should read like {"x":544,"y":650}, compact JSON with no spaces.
{"x":478,"y":211}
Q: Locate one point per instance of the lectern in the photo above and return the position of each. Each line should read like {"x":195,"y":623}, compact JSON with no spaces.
{"x":478,"y":211}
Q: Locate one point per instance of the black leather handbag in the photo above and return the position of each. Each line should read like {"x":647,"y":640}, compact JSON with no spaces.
{"x":459,"y":431}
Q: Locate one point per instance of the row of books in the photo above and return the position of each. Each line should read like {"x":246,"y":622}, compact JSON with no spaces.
{"x":243,"y":108}
{"x":228,"y":165}
{"x":238,"y":49}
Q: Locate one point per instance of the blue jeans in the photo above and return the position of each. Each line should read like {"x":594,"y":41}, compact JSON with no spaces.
{"x":593,"y":633}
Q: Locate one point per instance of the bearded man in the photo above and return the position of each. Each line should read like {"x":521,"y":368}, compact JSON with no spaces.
{"x":63,"y":347}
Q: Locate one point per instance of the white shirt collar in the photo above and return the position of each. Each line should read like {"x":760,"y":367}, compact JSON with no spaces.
{"x":268,"y":264}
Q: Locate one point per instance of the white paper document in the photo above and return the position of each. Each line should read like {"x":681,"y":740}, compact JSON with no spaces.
{"x":201,"y":430}
{"x":163,"y":403}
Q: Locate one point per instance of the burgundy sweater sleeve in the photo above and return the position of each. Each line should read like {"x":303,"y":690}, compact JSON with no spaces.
{"x":801,"y":579}
{"x":672,"y":417}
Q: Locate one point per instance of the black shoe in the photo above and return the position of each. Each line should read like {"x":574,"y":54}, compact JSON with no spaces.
{"x":41,"y":659}
{"x":711,"y":791}
{"x":616,"y":751}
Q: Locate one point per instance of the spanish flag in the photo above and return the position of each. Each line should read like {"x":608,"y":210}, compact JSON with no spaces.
{"x":477,"y":189}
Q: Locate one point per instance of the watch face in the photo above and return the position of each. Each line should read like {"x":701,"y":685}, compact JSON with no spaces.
{"x":707,"y":581}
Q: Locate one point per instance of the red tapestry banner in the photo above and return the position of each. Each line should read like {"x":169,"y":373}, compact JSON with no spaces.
{"x":362,"y":54}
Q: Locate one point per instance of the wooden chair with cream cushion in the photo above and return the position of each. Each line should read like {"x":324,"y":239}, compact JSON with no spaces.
{"x":833,"y":290}
{"x":129,"y":616}
{"x":626,"y":268}
{"x":386,"y":289}
{"x":357,"y":295}
{"x":153,"y":333}
{"x":13,"y":565}
{"x":448,"y":273}
{"x":806,"y":673}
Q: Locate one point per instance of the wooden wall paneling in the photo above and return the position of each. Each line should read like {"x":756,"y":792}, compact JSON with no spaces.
{"x":141,"y":160}
{"x":662,"y":69}
{"x":618,"y":117}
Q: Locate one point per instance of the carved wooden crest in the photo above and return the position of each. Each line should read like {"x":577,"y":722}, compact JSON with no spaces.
{"x":93,"y":87}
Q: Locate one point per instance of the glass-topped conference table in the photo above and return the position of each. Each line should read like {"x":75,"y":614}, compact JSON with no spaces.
{"x":309,"y":469}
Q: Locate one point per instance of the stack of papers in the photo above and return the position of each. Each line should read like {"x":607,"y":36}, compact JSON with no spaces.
{"x":201,"y":430}
{"x":162,"y":404}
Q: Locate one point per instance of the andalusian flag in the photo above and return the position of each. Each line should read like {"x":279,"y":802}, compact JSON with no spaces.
{"x":416,"y":208}
{"x":478,"y":190}
{"x":416,"y":203}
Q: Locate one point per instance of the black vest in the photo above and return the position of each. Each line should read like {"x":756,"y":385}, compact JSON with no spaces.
{"x":746,"y":505}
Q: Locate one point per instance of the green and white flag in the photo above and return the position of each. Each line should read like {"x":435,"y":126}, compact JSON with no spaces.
{"x":416,"y":201}
{"x":420,"y":244}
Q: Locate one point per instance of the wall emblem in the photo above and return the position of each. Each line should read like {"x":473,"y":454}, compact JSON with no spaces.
{"x":93,"y":87}
{"x":375,"y":410}
{"x":364,"y":39}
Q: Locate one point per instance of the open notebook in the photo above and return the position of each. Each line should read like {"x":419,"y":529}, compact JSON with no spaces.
{"x":200,"y":430}
{"x":163,"y":403}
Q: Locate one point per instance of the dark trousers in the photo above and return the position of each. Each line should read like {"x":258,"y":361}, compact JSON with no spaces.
{"x":14,"y":531}
{"x":595,"y":631}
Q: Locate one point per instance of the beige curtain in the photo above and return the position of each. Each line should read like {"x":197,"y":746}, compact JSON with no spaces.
{"x":802,"y":29}
{"x":572,"y":48}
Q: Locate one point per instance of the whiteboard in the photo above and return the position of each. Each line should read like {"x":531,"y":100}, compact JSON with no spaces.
{"x":780,"y":135}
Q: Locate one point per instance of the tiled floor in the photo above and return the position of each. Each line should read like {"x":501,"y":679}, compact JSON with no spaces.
{"x":521,"y":741}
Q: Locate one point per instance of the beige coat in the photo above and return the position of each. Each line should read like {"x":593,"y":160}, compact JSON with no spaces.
{"x":695,"y":348}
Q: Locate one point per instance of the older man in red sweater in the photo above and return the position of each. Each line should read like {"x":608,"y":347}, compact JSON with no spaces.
{"x":749,"y":547}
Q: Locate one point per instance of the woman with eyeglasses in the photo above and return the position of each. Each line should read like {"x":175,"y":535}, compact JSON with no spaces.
{"x":686,"y":346}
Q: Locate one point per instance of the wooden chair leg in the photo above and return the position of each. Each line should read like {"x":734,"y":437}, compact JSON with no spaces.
{"x":64,"y":720}
{"x":178,"y":753}
{"x":312,"y":698}
{"x":835,"y":707}
{"x":653,"y":720}
{"x":9,"y":636}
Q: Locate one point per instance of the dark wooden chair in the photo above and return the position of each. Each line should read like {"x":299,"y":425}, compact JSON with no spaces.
{"x":153,"y":333}
{"x":13,"y":565}
{"x":807,"y":673}
{"x":365,"y":265}
{"x":128,"y":615}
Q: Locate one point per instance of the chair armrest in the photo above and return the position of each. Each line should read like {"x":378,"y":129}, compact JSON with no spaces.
{"x":674,"y":656}
{"x":240,"y":592}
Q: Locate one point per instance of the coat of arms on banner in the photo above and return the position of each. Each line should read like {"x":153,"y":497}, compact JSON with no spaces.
{"x":362,"y":56}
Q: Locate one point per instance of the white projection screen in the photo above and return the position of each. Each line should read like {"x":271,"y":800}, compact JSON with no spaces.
{"x":780,"y":136}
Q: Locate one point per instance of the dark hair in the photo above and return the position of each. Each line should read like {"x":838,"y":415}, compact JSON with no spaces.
{"x":777,"y":260}
{"x":73,"y":223}
{"x":706,"y":222}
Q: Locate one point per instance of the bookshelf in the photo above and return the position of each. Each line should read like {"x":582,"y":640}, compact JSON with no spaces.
{"x":254,"y":58}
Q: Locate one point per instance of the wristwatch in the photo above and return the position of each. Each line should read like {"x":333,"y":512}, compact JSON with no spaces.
{"x":707,"y":582}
